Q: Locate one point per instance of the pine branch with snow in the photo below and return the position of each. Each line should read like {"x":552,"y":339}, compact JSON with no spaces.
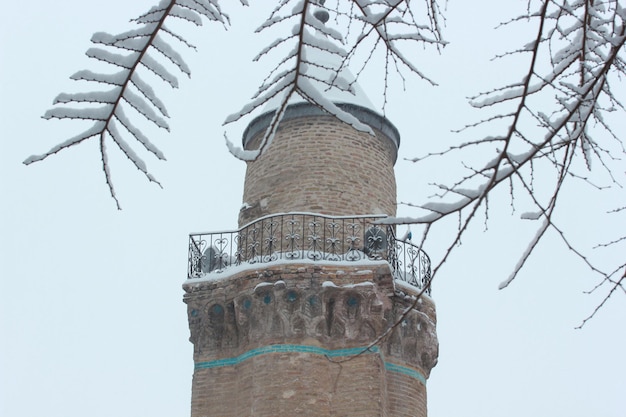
{"x":142,"y":50}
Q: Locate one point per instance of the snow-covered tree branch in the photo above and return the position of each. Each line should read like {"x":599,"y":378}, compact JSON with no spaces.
{"x":316,"y":55}
{"x":557,"y":131}
{"x":307,"y":70}
{"x":144,"y":50}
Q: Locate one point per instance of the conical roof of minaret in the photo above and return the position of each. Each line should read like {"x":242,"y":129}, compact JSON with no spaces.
{"x":331,"y":68}
{"x":352,"y":98}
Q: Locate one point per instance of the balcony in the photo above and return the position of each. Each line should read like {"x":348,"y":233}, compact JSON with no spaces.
{"x":308,"y":237}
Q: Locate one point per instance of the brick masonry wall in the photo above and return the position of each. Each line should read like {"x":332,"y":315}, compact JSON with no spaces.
{"x":289,"y":384}
{"x":406,"y":399}
{"x":319,"y":164}
{"x":266,"y":342}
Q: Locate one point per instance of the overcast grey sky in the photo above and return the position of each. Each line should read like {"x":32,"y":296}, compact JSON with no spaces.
{"x":92,"y":320}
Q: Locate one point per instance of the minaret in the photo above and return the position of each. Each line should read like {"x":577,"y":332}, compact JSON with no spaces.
{"x":283,"y":312}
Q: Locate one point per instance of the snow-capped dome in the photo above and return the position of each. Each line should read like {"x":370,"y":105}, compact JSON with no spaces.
{"x":324,"y":85}
{"x":323,"y":67}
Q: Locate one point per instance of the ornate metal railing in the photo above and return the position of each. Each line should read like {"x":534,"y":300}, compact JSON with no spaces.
{"x":308,"y":236}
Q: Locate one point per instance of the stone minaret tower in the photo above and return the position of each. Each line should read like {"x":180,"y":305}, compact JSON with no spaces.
{"x":283,"y":311}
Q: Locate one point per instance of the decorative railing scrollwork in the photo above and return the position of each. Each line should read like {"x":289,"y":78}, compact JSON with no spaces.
{"x":308,"y":236}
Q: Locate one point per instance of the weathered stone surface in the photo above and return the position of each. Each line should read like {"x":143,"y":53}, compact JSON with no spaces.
{"x":292,"y":319}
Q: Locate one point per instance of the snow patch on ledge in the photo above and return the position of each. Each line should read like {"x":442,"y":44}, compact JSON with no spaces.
{"x":410,"y":291}
{"x":261,"y":266}
{"x":263,"y":284}
{"x":326,"y":284}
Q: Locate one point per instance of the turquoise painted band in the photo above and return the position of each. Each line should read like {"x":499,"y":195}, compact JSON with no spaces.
{"x":392,"y":367}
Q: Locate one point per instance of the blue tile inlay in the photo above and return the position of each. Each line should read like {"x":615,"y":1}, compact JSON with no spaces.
{"x":406,"y":371}
{"x":308,"y":349}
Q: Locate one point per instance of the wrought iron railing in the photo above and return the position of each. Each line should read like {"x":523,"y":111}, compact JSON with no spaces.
{"x":308,"y":236}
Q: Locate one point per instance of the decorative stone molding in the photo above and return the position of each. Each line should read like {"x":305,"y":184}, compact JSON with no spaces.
{"x":307,"y":305}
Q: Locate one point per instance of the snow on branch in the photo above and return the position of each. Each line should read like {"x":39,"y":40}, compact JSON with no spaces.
{"x":559,"y":127}
{"x":317,"y":56}
{"x":143,"y":49}
{"x":315,"y":62}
